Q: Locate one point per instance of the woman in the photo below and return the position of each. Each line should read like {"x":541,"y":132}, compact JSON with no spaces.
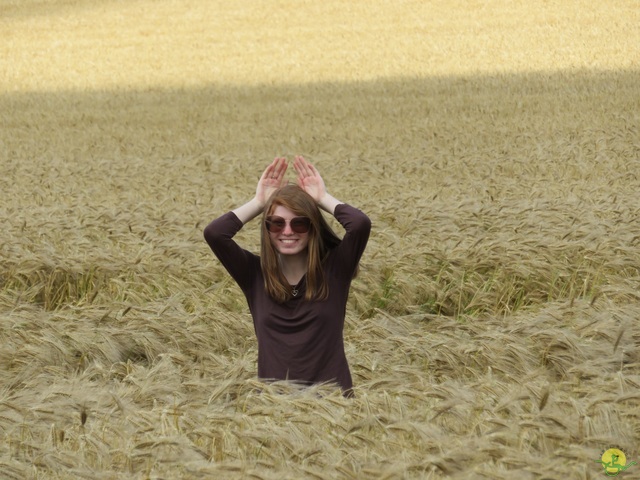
{"x":297,"y":288}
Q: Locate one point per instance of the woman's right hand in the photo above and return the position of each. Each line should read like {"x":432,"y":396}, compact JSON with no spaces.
{"x":271,"y":180}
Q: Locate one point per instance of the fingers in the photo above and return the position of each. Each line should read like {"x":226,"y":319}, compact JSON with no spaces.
{"x":304,"y":169}
{"x":299,"y":164}
{"x":276,"y":169}
{"x":280,"y":169}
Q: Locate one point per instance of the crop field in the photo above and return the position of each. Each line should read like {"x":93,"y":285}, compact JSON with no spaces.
{"x":493,"y":331}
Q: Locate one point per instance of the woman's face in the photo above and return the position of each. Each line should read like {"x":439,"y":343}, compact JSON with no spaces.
{"x":287,"y":241}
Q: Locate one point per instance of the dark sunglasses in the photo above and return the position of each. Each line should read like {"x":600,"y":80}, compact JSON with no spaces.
{"x":297,"y":224}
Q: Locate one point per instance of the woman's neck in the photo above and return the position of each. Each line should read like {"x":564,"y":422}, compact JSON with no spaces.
{"x":294,"y":267}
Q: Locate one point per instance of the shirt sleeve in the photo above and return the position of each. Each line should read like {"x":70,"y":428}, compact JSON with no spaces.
{"x":357,"y":226}
{"x":239,"y":262}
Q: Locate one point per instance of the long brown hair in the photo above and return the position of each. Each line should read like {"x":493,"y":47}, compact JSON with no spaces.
{"x":321,"y":240}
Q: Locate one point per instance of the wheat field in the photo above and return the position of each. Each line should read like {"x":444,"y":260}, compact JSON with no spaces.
{"x":493,"y":329}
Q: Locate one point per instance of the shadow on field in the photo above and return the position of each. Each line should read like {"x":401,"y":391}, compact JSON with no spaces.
{"x":417,"y":121}
{"x":404,"y":150}
{"x":431,"y":120}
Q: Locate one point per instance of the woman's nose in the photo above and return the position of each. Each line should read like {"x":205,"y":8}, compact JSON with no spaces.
{"x":287,"y":229}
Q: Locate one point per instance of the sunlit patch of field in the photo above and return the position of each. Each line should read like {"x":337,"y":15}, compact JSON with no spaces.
{"x":493,"y":330}
{"x":84,"y":44}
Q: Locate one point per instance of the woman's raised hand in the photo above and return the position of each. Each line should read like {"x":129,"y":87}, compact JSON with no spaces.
{"x":271,"y":180}
{"x":309,"y":179}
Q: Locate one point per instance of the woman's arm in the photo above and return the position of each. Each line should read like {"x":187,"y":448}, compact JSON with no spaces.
{"x":219,"y":233}
{"x":248,"y":211}
{"x":236,"y":260}
{"x":356,"y":224}
{"x":358,"y":227}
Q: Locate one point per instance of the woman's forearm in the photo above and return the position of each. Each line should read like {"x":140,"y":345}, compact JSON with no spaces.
{"x":249,"y":210}
{"x":329,"y":203}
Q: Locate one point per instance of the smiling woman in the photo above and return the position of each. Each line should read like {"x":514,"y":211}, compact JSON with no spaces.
{"x":297,"y":289}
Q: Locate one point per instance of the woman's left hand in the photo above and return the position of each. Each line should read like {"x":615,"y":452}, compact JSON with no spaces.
{"x":309,"y":179}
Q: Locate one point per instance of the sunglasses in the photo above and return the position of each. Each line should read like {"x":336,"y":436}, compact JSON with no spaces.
{"x":297,"y":224}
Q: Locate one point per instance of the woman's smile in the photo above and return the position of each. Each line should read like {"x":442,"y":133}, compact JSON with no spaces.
{"x":288,"y":242}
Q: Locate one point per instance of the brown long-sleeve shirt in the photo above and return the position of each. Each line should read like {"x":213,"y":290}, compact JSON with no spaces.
{"x":299,"y":340}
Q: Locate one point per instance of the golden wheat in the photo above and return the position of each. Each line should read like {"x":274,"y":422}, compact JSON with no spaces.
{"x":492,"y":331}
